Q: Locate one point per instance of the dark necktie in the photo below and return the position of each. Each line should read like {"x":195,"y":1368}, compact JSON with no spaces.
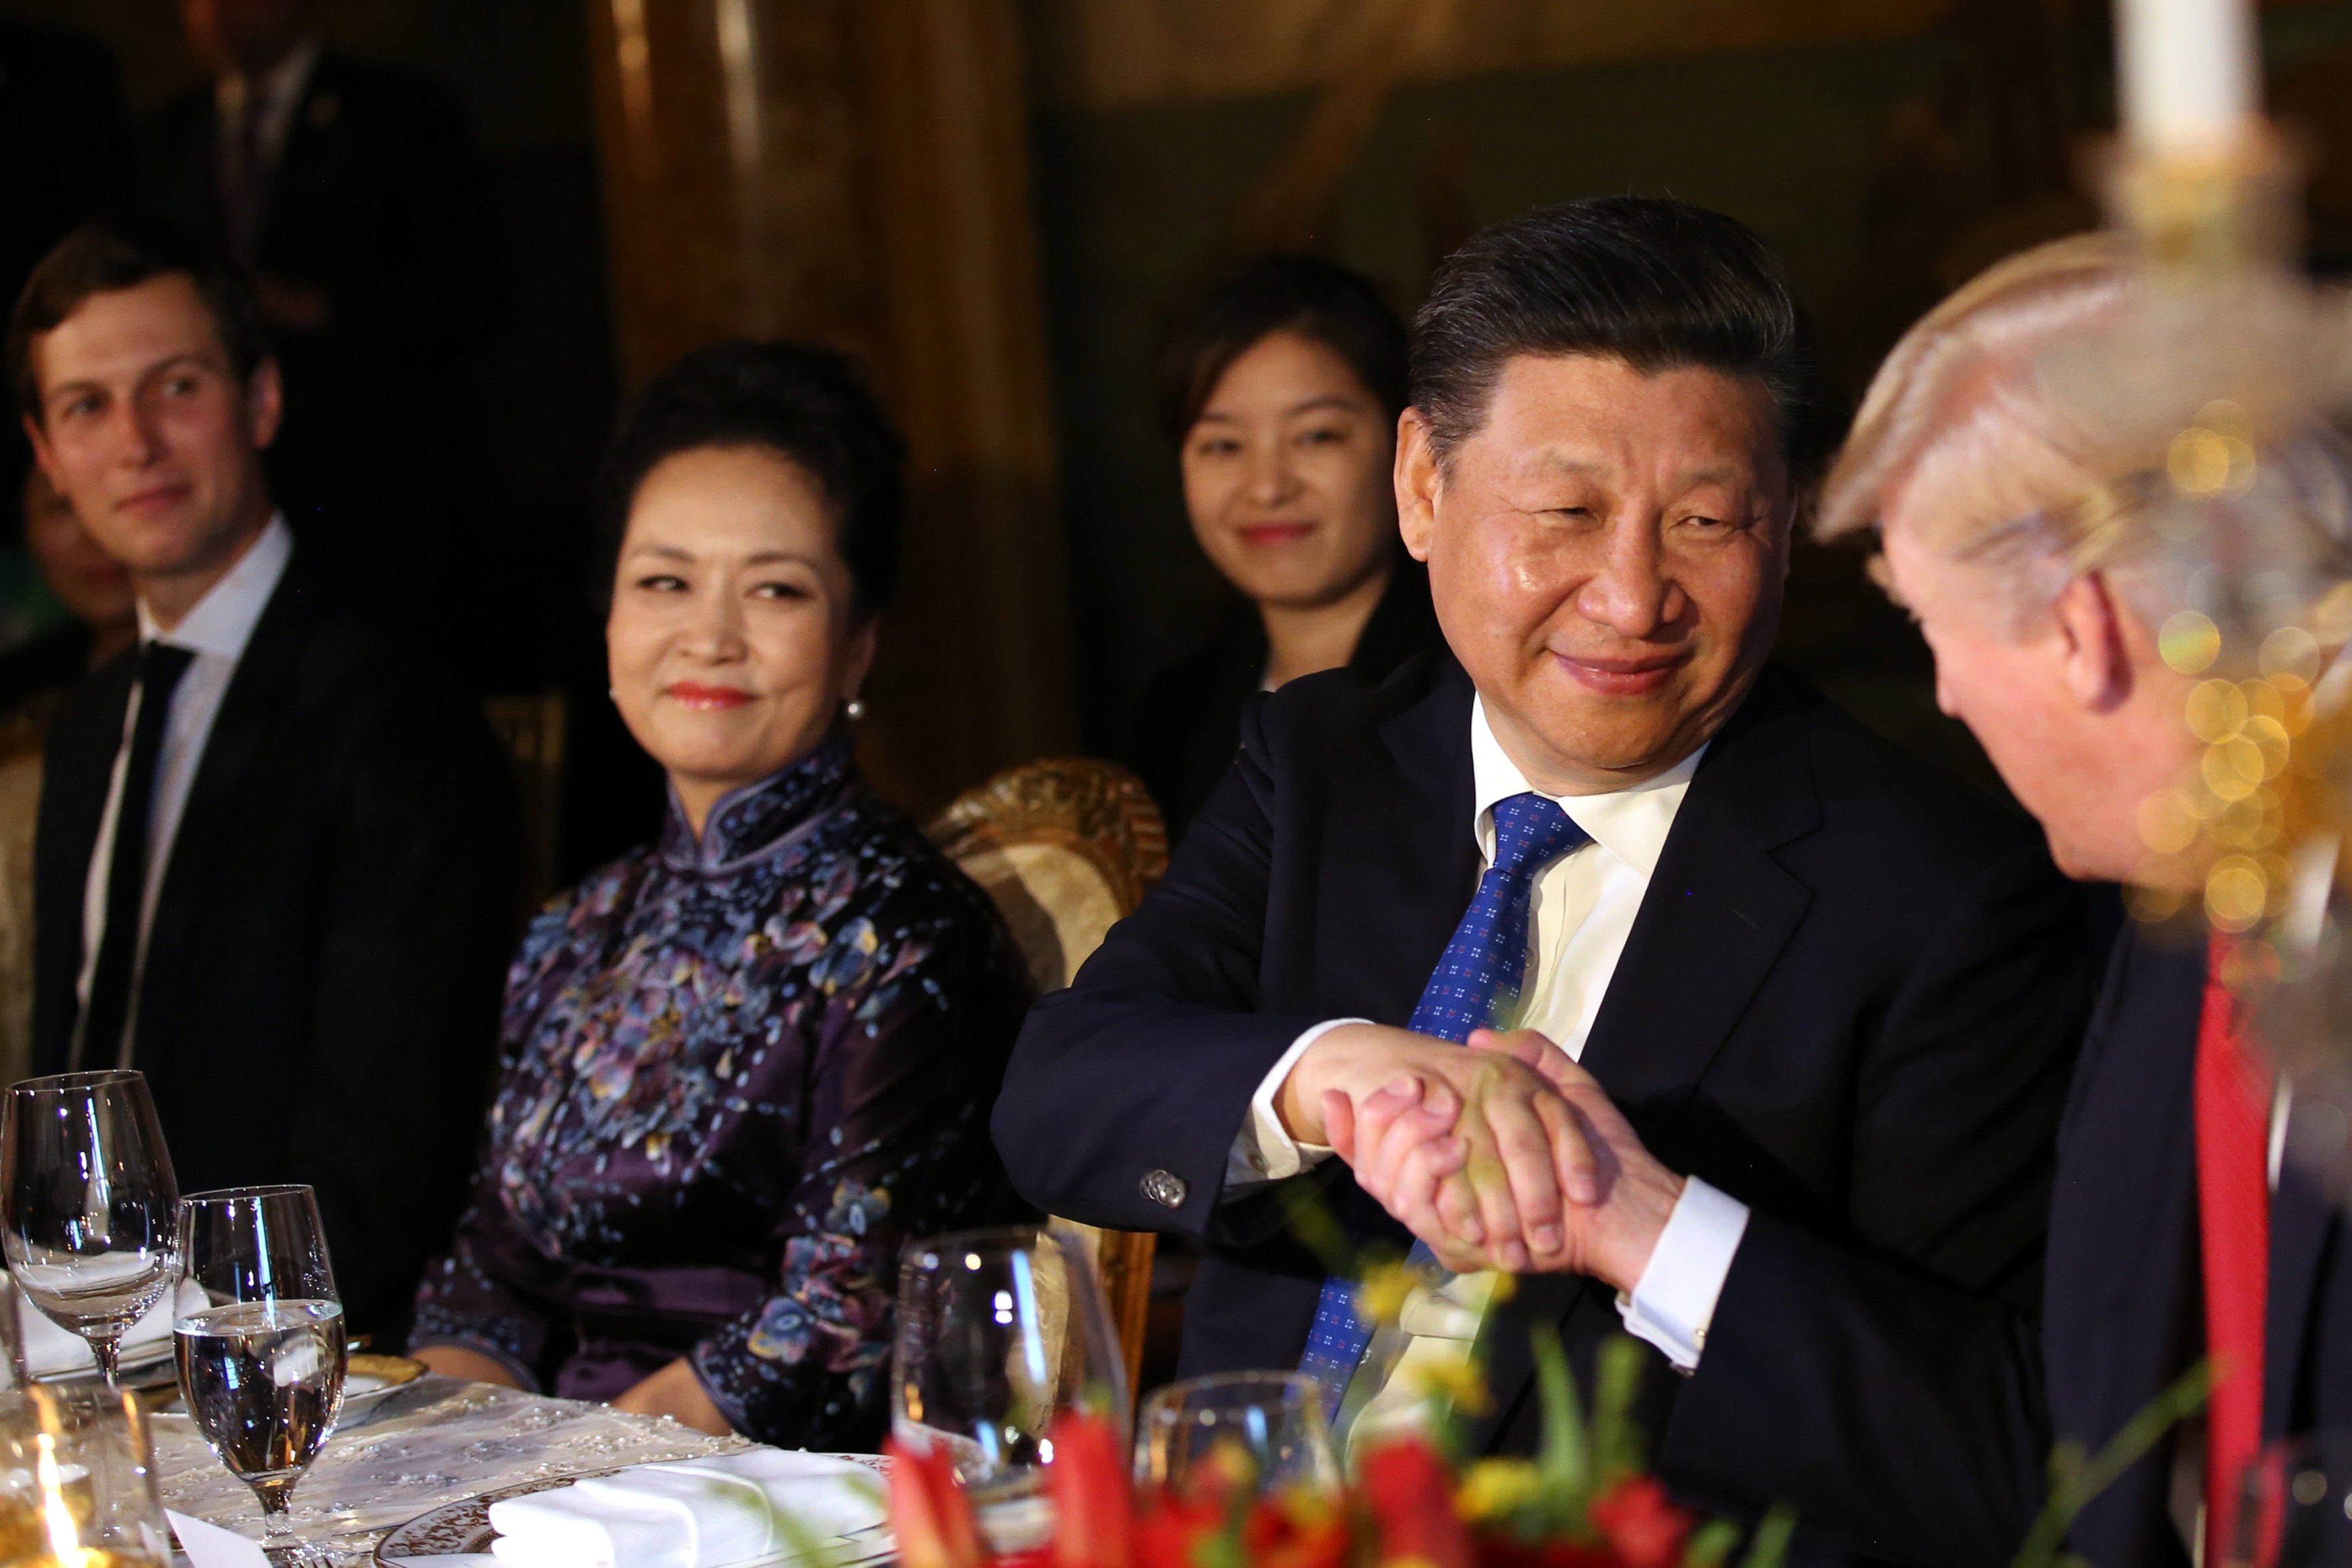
{"x":1477,"y":979}
{"x":2233,"y":1211}
{"x":161,"y":666}
{"x":245,"y":190}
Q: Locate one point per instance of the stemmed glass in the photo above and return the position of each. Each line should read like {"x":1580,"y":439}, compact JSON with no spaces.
{"x":87,"y":1204}
{"x":1263,"y":1428}
{"x":999,"y":1331}
{"x":262,"y":1360}
{"x":2294,"y":1505}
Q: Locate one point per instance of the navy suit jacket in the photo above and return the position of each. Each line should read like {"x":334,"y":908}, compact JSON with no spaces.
{"x":1924,"y":1416}
{"x":1850,"y":998}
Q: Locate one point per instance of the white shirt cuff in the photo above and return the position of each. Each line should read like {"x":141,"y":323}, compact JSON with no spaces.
{"x":1263,"y":1151}
{"x":1673,"y":1303}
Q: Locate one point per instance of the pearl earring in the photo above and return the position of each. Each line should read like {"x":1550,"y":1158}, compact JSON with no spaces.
{"x":854,"y":709}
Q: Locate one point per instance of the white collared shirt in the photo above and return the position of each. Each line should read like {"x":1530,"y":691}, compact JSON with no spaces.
{"x":1584,"y":907}
{"x":217,"y":631}
{"x":280,"y":93}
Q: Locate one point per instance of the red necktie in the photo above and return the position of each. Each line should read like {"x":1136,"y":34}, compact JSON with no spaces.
{"x":2233,"y":1209}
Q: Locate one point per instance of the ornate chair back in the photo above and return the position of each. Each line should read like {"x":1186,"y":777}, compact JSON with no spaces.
{"x":1065,"y":848}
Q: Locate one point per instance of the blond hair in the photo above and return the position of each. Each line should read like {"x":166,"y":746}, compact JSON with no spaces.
{"x":1989,"y":459}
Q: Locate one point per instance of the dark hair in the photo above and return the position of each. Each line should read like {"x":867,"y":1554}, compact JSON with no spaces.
{"x":1303,"y":294}
{"x":799,"y":400}
{"x":1658,"y":284}
{"x":122,"y":252}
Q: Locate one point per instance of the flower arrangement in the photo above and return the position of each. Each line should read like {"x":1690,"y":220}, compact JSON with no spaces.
{"x":1583,"y":1501}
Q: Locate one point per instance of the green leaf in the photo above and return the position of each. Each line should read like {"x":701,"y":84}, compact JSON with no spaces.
{"x":1565,"y":1460}
{"x":1769,"y":1545}
{"x":1616,"y":1446}
{"x":1710,"y":1544}
{"x":2075,"y":1481}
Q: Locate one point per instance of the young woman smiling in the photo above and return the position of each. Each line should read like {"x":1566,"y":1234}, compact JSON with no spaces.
{"x":745,"y":1064}
{"x":1281,"y":390}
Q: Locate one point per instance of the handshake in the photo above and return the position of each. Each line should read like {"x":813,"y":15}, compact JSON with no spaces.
{"x":1502,"y":1154}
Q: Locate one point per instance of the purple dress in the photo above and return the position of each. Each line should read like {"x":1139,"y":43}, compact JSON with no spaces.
{"x":737,"y":1077}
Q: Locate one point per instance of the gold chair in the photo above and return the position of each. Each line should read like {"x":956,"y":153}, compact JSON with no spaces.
{"x":1065,"y":848}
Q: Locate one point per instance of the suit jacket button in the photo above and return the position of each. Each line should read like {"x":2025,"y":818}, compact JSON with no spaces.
{"x":1165,"y":1188}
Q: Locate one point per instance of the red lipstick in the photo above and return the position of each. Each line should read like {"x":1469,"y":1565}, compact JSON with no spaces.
{"x":692,"y":694}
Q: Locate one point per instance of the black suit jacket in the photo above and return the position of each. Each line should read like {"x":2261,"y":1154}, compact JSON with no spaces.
{"x":319,"y":1000}
{"x":1190,"y":723}
{"x":1850,"y":999}
{"x":379,"y":201}
{"x":1925,"y":1416}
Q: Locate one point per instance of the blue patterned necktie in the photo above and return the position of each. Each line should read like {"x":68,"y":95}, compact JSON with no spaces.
{"x":1476,"y":982}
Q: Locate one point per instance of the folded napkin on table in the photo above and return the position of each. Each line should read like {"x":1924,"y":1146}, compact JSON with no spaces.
{"x":692,"y":1513}
{"x":50,"y":1351}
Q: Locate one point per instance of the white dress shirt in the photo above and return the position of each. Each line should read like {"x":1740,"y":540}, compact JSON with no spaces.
{"x":1584,"y":907}
{"x":215,"y":631}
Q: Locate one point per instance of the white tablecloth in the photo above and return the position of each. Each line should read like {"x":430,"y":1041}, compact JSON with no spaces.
{"x":434,"y":1442}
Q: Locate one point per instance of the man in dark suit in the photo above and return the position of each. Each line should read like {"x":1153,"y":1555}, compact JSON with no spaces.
{"x":1844,"y":991}
{"x":1917,"y":1413}
{"x":354,"y":194}
{"x":273,"y":870}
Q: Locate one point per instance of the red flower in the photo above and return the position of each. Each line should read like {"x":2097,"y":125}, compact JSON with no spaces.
{"x":930,"y":1517}
{"x":1169,"y":1529}
{"x":1409,"y":1494}
{"x":1094,"y":1511}
{"x":1642,"y":1526}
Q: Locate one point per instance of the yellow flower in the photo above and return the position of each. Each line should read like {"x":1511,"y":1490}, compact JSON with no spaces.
{"x":1495,"y":1488}
{"x":1458,"y":1385}
{"x":1380,"y":1293}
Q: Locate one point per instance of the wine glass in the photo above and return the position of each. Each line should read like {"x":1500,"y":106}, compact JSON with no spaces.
{"x":999,"y":1331}
{"x":262,"y":1360}
{"x":2294,"y":1505}
{"x":1263,"y":1428}
{"x":78,"y":1482}
{"x":89,"y":1222}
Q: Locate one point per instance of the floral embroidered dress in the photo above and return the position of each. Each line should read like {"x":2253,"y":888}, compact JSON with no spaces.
{"x":737,"y":1077}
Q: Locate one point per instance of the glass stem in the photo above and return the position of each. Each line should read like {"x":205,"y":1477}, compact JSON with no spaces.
{"x":276,"y":1493}
{"x":106,"y":1347}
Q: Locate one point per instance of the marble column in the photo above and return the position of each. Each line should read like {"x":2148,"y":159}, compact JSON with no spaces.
{"x":857,"y":172}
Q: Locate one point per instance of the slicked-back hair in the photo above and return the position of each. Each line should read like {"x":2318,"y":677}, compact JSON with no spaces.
{"x":121,"y":252}
{"x":802,"y":402}
{"x":1658,"y":284}
{"x":1320,"y":300}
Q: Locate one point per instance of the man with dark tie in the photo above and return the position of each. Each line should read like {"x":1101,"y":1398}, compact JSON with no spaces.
{"x":1917,"y":1413}
{"x":354,"y":194}
{"x":1844,"y":991}
{"x":273,"y":867}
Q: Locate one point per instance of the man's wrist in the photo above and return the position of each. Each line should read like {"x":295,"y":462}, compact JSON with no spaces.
{"x":1644,"y":1219}
{"x":1299,"y":1102}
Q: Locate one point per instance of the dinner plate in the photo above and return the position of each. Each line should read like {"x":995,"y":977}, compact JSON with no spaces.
{"x":457,"y":1528}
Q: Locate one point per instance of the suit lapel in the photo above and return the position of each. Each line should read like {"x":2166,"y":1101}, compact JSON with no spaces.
{"x":1424,"y":840}
{"x":1717,"y":912}
{"x":77,"y":769}
{"x":240,"y":732}
{"x":2301,"y":1217}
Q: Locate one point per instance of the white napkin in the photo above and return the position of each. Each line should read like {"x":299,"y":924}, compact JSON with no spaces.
{"x":50,"y":1351}
{"x":210,"y":1546}
{"x":694,"y":1513}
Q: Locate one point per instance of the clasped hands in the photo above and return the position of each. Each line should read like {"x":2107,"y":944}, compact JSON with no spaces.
{"x":1499,"y":1154}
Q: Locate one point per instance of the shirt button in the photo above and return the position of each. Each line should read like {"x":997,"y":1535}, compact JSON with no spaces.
{"x":1165,"y":1188}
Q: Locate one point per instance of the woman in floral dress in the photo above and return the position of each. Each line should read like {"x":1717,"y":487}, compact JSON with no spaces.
{"x":744,"y":1064}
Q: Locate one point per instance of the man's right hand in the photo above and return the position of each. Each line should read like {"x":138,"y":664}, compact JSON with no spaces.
{"x":1523,"y":1152}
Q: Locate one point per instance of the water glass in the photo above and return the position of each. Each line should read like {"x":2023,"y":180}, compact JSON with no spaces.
{"x":999,"y":1332}
{"x":87,"y":1204}
{"x":78,"y":1482}
{"x":262,"y":1360}
{"x":1265,"y":1429}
